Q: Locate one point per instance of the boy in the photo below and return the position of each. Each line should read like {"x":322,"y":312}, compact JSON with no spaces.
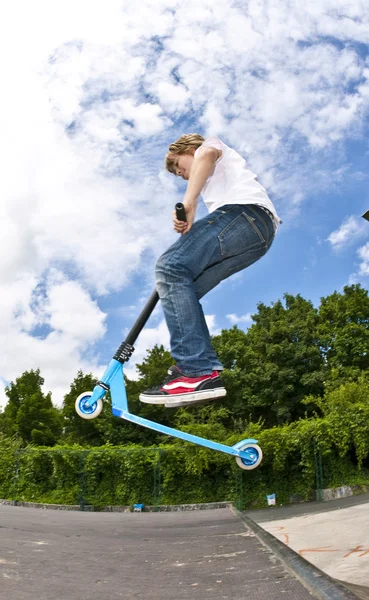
{"x":238,"y":231}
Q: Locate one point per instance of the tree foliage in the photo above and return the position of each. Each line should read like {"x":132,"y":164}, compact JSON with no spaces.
{"x":176,"y":472}
{"x":29,"y":413}
{"x":297,"y":379}
{"x":275,"y":363}
{"x":343,"y":333}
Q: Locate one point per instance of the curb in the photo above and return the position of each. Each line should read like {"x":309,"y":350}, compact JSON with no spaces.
{"x":128,"y":508}
{"x":321,"y":585}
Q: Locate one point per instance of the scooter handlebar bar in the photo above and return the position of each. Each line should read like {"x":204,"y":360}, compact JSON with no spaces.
{"x":180,"y":212}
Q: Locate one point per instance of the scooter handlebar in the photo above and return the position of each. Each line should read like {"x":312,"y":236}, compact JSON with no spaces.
{"x":121,"y":353}
{"x":180,"y":212}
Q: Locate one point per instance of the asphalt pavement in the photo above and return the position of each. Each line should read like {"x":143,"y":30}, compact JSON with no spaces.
{"x":205,"y":555}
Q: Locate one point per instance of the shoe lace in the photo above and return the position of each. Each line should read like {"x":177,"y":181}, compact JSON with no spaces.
{"x":169,"y":377}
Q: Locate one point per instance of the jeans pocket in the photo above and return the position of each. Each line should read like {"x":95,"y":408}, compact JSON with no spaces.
{"x":240,"y":235}
{"x":252,"y":222}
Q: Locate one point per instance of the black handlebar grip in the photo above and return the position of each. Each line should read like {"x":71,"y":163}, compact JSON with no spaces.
{"x":180,"y":212}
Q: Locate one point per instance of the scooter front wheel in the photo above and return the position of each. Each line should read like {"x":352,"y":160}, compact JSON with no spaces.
{"x":85,"y":409}
{"x":253,"y":458}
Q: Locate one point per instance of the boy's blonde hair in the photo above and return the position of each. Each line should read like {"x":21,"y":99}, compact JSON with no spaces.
{"x":182,"y":146}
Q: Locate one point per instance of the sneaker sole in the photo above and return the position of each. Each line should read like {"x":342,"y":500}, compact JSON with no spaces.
{"x":198,"y":398}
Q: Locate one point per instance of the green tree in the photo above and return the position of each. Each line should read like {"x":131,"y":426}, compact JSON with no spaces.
{"x":344,"y":334}
{"x":29,"y":413}
{"x":274,"y":364}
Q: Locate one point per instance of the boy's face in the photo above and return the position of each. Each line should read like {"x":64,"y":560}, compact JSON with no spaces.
{"x":183,"y":164}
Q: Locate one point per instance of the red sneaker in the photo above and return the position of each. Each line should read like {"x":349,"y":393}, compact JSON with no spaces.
{"x":178,"y":388}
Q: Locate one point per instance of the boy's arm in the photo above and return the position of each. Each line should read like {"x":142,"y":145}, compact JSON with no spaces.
{"x":202,"y":168}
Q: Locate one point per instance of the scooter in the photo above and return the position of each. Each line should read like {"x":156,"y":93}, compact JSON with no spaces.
{"x":89,"y":404}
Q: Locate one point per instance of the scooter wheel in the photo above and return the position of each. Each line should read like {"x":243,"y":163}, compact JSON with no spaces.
{"x":88,"y":411}
{"x":254,"y":457}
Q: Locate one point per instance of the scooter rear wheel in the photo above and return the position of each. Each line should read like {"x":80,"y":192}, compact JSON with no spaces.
{"x":254,"y":457}
{"x":86,"y":410}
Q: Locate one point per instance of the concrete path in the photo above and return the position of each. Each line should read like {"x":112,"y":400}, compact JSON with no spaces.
{"x":204,"y":555}
{"x":334,"y":536}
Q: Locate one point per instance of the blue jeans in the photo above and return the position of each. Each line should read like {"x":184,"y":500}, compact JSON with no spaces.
{"x":224,"y":242}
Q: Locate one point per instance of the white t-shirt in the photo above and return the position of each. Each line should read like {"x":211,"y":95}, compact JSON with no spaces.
{"x":232,"y":182}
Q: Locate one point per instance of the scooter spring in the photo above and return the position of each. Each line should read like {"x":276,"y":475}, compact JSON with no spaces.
{"x":124,"y":352}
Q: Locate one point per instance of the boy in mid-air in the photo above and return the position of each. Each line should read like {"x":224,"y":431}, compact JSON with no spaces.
{"x":239,"y":230}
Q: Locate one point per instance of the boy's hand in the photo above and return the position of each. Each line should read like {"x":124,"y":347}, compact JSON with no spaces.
{"x":183,"y":226}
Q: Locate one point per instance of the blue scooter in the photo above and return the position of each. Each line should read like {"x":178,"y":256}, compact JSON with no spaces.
{"x":89,"y":404}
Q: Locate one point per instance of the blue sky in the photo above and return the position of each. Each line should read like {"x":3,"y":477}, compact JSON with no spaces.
{"x":86,"y":204}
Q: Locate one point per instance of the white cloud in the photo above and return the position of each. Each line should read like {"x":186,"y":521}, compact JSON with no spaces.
{"x":351,"y":230}
{"x":363,"y":254}
{"x":48,"y":327}
{"x":212,"y":325}
{"x":236,"y":320}
{"x":92,"y":101}
{"x":362,"y":270}
{"x":3,"y":397}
